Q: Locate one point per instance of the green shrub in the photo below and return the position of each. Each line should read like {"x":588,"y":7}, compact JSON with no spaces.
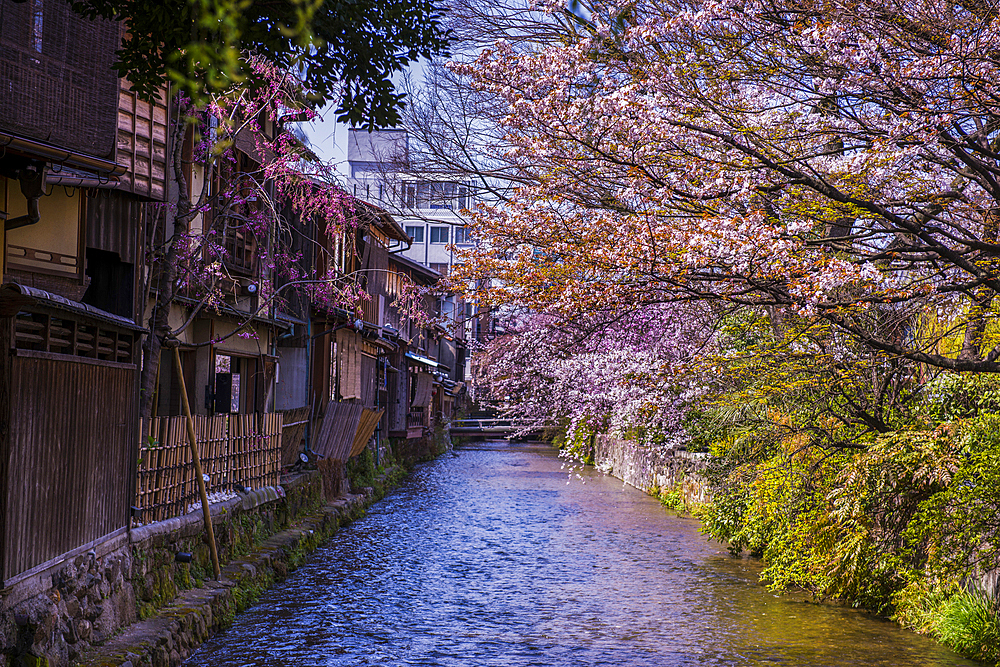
{"x":579,"y":445}
{"x":672,"y":500}
{"x":969,"y":624}
{"x":361,"y":470}
{"x":952,"y":396}
{"x":965,"y":620}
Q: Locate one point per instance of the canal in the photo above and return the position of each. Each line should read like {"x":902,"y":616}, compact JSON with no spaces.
{"x":497,"y":557}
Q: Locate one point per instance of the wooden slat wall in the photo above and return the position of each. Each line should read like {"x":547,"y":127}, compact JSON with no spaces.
{"x":377,"y":279}
{"x":72,"y":456}
{"x":234,"y":449}
{"x":61,"y":89}
{"x":293,"y":429}
{"x":114,"y":220}
{"x":336,"y":433}
{"x":399,"y":398}
{"x":369,"y":383}
{"x":142,"y":143}
{"x":366,"y":428}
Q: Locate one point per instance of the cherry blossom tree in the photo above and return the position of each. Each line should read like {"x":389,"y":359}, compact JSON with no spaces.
{"x":830,"y":161}
{"x":614,"y":372}
{"x":253,"y":172}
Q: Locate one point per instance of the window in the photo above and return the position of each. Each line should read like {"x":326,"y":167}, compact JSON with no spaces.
{"x":415,"y":233}
{"x":111,"y":282}
{"x":463,"y":236}
{"x":231,"y":213}
{"x":439,"y":234}
{"x":227,"y":384}
{"x":440,"y":267}
{"x":37,"y":21}
{"x":435,"y":195}
{"x":241,"y":249}
{"x":410,"y":195}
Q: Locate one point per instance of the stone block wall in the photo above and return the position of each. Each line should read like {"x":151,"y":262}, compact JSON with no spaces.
{"x":647,"y":467}
{"x":57,"y":614}
{"x":85,"y":599}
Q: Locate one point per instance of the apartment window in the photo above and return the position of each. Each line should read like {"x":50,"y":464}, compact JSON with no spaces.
{"x":440,"y":267}
{"x":435,"y":195}
{"x":463,"y":236}
{"x":415,"y":233}
{"x":410,"y":195}
{"x":439,"y":234}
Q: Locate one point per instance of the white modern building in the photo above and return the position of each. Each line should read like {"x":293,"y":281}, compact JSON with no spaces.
{"x":429,"y":206}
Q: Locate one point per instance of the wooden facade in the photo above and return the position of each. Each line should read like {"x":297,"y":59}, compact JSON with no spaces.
{"x":70,"y":253}
{"x":66,"y":459}
{"x":69,"y":342}
{"x":142,"y":143}
{"x":59,"y":89}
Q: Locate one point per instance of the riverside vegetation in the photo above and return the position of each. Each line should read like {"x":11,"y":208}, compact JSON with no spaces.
{"x":904,"y":524}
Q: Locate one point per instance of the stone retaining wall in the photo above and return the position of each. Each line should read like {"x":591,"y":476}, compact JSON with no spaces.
{"x":56,"y":615}
{"x":167,"y":638}
{"x":648,"y":468}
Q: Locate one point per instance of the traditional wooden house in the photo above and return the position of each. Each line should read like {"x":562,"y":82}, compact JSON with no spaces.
{"x":350,"y":350}
{"x":415,"y":369}
{"x":227,"y":347}
{"x":81,"y":161}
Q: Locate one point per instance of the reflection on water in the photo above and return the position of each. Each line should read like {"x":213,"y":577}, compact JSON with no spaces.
{"x":496,"y":557}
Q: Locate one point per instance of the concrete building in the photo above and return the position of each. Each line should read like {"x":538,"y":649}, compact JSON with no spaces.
{"x":430,"y":207}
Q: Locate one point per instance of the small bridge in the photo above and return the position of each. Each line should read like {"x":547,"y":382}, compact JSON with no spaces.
{"x":494,"y":427}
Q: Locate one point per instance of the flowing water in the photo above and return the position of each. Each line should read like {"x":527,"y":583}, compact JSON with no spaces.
{"x":498,"y":557}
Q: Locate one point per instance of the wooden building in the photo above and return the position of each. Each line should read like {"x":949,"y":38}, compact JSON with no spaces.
{"x":81,"y":159}
{"x":414,"y":363}
{"x":84,"y":165}
{"x":350,"y":351}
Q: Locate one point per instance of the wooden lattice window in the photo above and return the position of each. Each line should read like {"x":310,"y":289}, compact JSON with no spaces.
{"x":240,"y":240}
{"x":58,"y":334}
{"x":241,"y":249}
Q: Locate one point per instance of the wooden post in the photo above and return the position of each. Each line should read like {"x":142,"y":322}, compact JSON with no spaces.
{"x":6,"y":359}
{"x":193,"y":441}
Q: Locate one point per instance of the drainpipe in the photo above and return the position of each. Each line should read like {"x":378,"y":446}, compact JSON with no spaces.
{"x":32,"y":180}
{"x":309,"y":369}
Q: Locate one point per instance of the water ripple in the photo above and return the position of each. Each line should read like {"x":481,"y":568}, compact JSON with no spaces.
{"x":492,"y":559}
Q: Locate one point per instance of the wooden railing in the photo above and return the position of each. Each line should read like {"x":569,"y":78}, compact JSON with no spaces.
{"x":235,"y":450}
{"x":416,"y":418}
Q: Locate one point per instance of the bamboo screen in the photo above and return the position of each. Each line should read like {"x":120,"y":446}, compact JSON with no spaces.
{"x":58,"y":84}
{"x":234,"y":449}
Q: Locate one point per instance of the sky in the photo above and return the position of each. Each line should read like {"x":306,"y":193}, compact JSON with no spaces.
{"x":329,"y":139}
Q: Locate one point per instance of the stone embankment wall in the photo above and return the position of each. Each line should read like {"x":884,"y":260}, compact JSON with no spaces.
{"x":648,"y":468}
{"x":131,"y":600}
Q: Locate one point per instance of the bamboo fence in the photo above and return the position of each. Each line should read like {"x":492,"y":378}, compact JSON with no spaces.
{"x":234,"y":449}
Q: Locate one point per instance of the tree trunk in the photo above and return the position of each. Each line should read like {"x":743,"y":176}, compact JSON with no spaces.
{"x":164,"y":271}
